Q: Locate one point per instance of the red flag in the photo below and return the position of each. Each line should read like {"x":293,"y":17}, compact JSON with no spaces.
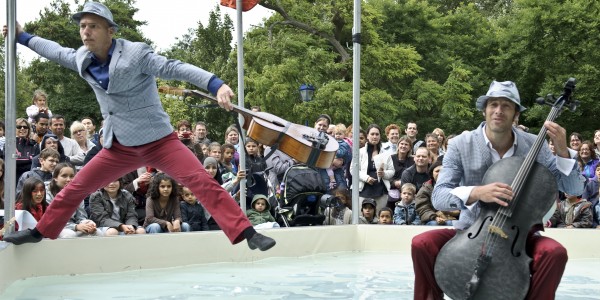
{"x":246,"y":4}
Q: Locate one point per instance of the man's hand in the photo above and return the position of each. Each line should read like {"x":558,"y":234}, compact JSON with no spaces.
{"x":496,"y":192}
{"x":18,"y":30}
{"x":559,"y":137}
{"x":224,"y":95}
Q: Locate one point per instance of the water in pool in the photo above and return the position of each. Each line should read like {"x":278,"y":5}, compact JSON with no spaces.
{"x":345,"y":275}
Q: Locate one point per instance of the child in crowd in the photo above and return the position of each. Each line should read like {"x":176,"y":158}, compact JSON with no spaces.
{"x":572,"y":212}
{"x":254,"y":161}
{"x":212,"y":167}
{"x":204,"y":147}
{"x":214,"y":150}
{"x":48,"y":160}
{"x":406,"y":212}
{"x":260,"y":213}
{"x":163,"y":213}
{"x":192,"y":211}
{"x":33,"y":198}
{"x":368,"y":212}
{"x":79,"y":224}
{"x":386,"y":216}
{"x":50,"y":140}
{"x":341,"y":212}
{"x":336,"y":173}
{"x":40,"y":105}
{"x":114,"y":210}
{"x":226,"y":164}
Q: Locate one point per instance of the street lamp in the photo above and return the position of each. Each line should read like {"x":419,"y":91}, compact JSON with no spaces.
{"x":307,"y":91}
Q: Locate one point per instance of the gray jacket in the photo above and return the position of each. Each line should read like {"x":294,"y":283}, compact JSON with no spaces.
{"x":101,"y":209}
{"x":131,"y":105}
{"x":468,"y":158}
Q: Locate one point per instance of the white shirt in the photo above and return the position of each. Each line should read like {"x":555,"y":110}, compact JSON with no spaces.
{"x":564,"y":165}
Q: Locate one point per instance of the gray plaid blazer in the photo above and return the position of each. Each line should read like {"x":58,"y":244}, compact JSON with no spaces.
{"x":131,"y":105}
{"x":467,"y":160}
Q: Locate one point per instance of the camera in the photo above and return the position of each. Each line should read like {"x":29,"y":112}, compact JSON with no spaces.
{"x":186,"y":135}
{"x":328,"y":200}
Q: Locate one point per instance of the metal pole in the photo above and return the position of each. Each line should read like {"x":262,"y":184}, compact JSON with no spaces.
{"x":10,"y":89}
{"x":240,"y":93}
{"x":355,"y":110}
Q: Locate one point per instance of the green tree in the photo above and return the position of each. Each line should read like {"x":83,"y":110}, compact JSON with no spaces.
{"x":542,"y":45}
{"x":208,"y":47}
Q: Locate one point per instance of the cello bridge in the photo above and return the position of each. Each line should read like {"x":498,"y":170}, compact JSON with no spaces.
{"x":497,"y":230}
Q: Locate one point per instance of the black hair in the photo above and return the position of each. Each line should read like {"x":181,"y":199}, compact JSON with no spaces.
{"x":40,"y":116}
{"x":53,"y":188}
{"x":28,"y":188}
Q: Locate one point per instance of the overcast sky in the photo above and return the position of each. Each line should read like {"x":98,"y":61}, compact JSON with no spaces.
{"x":167,"y":20}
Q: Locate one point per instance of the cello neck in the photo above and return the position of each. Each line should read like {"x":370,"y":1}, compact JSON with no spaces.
{"x":558,"y":106}
{"x":248,"y":114}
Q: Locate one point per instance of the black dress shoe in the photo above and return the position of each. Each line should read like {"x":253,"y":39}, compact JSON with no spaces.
{"x":261,"y":242}
{"x":21,"y":237}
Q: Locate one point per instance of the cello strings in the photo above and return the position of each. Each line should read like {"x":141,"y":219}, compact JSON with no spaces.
{"x":502,"y":213}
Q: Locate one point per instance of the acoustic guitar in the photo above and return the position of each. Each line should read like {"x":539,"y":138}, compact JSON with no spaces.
{"x":302,"y":143}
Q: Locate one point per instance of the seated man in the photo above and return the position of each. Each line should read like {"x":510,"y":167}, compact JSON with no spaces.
{"x":460,"y":186}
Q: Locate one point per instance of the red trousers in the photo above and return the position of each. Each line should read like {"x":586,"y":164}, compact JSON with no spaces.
{"x":169,"y":155}
{"x":547,"y":266}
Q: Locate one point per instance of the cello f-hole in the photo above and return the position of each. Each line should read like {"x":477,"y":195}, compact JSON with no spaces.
{"x":481,"y":227}
{"x":513,"y":250}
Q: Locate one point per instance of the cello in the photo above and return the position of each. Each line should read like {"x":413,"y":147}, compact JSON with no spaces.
{"x":302,"y":143}
{"x":488,"y":260}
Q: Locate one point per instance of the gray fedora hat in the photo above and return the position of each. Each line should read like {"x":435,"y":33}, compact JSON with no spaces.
{"x":504,"y":89}
{"x":96,"y":9}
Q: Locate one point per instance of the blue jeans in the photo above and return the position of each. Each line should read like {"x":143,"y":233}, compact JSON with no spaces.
{"x":435,"y":223}
{"x":155,"y":228}
{"x":338,"y":174}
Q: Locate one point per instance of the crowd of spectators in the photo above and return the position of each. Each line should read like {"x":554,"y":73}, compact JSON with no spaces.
{"x":396,"y":177}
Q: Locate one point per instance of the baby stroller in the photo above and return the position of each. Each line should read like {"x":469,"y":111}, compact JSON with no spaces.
{"x":300,"y":195}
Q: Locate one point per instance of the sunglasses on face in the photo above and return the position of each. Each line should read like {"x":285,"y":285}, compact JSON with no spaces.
{"x":22,"y":126}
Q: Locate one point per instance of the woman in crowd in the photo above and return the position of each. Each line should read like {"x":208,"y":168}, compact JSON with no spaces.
{"x":376,"y":169}
{"x":27,"y":148}
{"x":433,"y":145}
{"x":597,"y":142}
{"x":402,"y":160}
{"x":575,"y":141}
{"x":443,"y":142}
{"x":80,"y":135}
{"x":587,"y":160}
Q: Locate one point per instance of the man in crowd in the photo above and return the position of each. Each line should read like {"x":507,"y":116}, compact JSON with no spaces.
{"x":411,"y":132}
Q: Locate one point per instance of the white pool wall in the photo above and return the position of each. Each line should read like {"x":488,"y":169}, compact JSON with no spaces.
{"x":123,"y":253}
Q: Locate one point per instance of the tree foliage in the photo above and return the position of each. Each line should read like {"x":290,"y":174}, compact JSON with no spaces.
{"x":209,"y":47}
